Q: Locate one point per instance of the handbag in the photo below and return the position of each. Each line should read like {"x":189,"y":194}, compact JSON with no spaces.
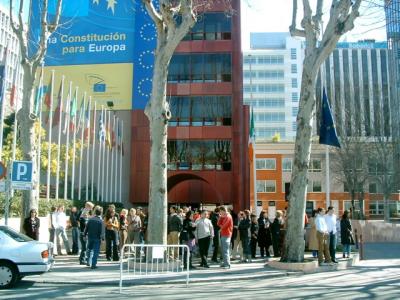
{"x":351,"y":238}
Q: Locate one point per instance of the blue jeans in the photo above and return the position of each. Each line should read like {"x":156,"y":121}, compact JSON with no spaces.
{"x":347,"y":249}
{"x":226,"y":249}
{"x":246,"y":247}
{"x":75,"y":238}
{"x":93,"y":250}
{"x":83,"y":257}
{"x":332,"y":246}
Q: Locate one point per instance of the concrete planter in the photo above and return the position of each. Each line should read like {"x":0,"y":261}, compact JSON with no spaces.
{"x":306,"y":266}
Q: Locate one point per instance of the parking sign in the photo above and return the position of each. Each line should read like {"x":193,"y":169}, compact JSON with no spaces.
{"x":21,"y":176}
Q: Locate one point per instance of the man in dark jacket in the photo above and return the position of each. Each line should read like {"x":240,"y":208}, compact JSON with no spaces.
{"x":244,"y":231}
{"x":74,"y":221}
{"x":214,"y":221}
{"x":95,"y":233}
{"x":174,"y":229}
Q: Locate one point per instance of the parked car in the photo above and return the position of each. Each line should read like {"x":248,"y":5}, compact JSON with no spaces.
{"x":21,"y":256}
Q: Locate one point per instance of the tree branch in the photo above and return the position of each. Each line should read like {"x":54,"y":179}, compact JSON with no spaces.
{"x":19,"y":29}
{"x":153,"y":13}
{"x":292,"y":28}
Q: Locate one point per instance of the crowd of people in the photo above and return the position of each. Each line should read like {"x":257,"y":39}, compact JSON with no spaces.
{"x":224,"y":233}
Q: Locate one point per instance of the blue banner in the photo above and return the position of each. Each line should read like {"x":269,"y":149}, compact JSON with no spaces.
{"x":90,"y":32}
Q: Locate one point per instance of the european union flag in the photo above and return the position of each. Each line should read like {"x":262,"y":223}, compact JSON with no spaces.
{"x":327,"y":132}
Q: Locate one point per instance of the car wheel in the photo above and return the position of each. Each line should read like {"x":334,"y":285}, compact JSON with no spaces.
{"x":8,"y":275}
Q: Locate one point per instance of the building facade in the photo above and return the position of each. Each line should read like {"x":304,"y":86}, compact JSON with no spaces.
{"x":271,"y":83}
{"x":356,"y":78}
{"x":207,"y":135}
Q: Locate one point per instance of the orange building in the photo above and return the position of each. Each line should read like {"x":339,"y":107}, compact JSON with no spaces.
{"x":274,"y":166}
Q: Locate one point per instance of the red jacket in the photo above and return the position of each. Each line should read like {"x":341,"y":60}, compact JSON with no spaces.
{"x":226,"y":225}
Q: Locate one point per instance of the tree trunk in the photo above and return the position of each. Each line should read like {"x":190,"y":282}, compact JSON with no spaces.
{"x":157,"y":111}
{"x":386,"y":208}
{"x":27,"y":130}
{"x":294,"y":239}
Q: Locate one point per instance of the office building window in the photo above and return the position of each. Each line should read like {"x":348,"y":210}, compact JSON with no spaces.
{"x":271,"y":74}
{"x":293,"y":53}
{"x":270,"y":88}
{"x":315,"y":165}
{"x":287,"y":164}
{"x":295,"y":97}
{"x":294,"y":69}
{"x":295,"y":111}
{"x":294,"y":83}
{"x":316,"y":186}
{"x":266,"y":164}
{"x":200,"y":111}
{"x":294,"y":126}
{"x":270,"y":117}
{"x":270,"y":60}
{"x":265,"y":133}
{"x":211,"y":26}
{"x":266,"y":186}
{"x":376,"y":208}
{"x":200,"y":68}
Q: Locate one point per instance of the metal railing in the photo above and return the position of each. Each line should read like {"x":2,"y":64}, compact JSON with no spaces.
{"x":153,"y":261}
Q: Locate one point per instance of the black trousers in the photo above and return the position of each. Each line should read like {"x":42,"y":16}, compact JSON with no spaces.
{"x":276,"y":245}
{"x":216,"y":246}
{"x":82,"y":256}
{"x":112,"y":245}
{"x":204,"y":244}
{"x":253,"y":245}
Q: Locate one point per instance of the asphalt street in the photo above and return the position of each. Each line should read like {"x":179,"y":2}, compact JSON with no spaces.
{"x":373,"y":279}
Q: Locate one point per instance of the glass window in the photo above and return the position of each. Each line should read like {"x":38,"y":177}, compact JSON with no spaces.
{"x":316,"y":186}
{"x":347,"y":205}
{"x":266,"y":186}
{"x":266,"y":164}
{"x":295,"y":111}
{"x":294,"y":126}
{"x":315,"y":165}
{"x":294,"y":83}
{"x":295,"y":97}
{"x":287,"y":164}
{"x":376,"y":208}
{"x":294,"y":69}
{"x":211,"y":26}
{"x":293,"y":53}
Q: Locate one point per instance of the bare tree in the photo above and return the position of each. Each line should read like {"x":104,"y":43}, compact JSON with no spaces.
{"x":317,"y":48}
{"x":30,"y":63}
{"x":170,"y":33}
{"x":382,"y":169}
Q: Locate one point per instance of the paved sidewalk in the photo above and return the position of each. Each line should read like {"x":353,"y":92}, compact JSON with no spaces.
{"x":68,"y":271}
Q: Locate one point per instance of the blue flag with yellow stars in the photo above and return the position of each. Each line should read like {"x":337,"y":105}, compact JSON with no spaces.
{"x":327,"y":132}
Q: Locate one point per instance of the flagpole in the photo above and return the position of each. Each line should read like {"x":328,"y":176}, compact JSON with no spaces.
{"x":49,"y":137}
{"x":39,"y":107}
{"x":328,"y":184}
{"x":59,"y":136}
{"x":66,"y":128}
{"x":112,"y":136}
{"x":99,"y":173}
{"x":120,"y":162}
{"x":107,"y":187}
{"x":82,"y":143}
{"x":73,"y":144}
{"x":93,"y":152}
{"x":115,"y":182}
{"x":87,"y":123}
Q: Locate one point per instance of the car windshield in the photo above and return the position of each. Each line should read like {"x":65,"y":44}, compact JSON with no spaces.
{"x":19,"y":237}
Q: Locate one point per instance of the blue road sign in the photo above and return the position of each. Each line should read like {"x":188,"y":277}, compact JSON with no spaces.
{"x":21,"y":176}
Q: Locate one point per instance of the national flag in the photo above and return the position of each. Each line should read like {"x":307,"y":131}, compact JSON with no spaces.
{"x":57,"y":112}
{"x":327,"y":133}
{"x":108,"y":137}
{"x":66,"y":111}
{"x":252,"y":135}
{"x":102,"y":133}
{"x":87,"y":123}
{"x":120,"y":144}
{"x":81,"y":114}
{"x":13,"y":93}
{"x":73,"y":110}
{"x":47,"y":98}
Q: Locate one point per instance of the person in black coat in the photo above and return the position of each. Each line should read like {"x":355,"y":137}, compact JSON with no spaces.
{"x":32,"y":225}
{"x":188,"y":237}
{"x":254,"y":235}
{"x":264,"y":234}
{"x":346,"y":234}
{"x":276,"y":227}
{"x":244,"y":231}
{"x":214,"y":221}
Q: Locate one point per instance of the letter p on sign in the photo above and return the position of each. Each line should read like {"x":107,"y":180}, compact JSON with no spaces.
{"x":22,"y":170}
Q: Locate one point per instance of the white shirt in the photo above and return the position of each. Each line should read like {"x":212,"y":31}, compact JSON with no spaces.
{"x":204,"y":228}
{"x":331,"y":223}
{"x":61,"y":220}
{"x":320,"y":224}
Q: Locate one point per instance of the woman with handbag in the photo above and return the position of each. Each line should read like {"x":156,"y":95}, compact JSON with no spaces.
{"x":346,"y":234}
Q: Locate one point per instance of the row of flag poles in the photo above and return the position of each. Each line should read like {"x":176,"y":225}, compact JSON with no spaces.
{"x":71,"y":117}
